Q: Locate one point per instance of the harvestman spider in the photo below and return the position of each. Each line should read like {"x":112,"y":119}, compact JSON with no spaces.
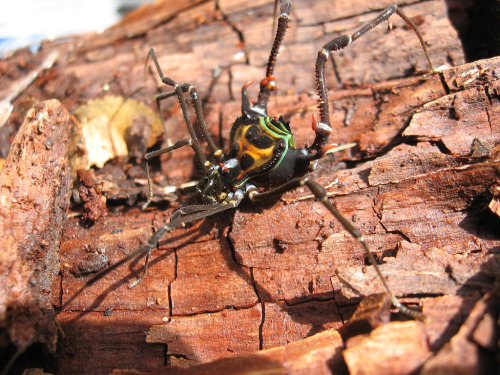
{"x":262,"y":153}
{"x":261,"y":148}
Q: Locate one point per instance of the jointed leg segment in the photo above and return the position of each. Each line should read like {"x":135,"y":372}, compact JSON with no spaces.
{"x":339,"y":43}
{"x":179,"y":90}
{"x":322,"y":129}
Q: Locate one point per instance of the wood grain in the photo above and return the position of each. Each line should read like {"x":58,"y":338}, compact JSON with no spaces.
{"x":269,"y":276}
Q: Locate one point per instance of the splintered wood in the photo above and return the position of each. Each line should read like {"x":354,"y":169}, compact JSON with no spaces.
{"x":265,"y":288}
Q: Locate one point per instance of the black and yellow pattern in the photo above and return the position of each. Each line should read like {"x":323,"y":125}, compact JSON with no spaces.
{"x":259,"y":145}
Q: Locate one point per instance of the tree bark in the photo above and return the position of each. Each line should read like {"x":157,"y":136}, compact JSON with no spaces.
{"x":418,"y":184}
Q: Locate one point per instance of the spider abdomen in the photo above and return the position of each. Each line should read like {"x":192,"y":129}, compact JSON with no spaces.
{"x":259,"y":144}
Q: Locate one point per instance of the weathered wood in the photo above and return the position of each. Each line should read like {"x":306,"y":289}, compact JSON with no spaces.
{"x":34,"y":200}
{"x":463,"y":352}
{"x":268,"y":275}
{"x":396,"y":348}
{"x":318,"y":354}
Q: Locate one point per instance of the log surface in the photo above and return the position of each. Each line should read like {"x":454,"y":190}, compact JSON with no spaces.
{"x":34,"y":200}
{"x":418,"y":184}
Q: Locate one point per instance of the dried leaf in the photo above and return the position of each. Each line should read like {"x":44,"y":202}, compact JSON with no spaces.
{"x":105,"y":125}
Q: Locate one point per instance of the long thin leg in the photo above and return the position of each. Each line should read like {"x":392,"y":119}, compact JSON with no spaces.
{"x":183,"y":215}
{"x":179,"y":90}
{"x":268,"y":84}
{"x":323,"y":128}
{"x":155,"y":154}
{"x":320,"y":193}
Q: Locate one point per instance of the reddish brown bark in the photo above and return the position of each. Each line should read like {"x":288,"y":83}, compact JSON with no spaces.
{"x":34,"y":200}
{"x":418,"y":185}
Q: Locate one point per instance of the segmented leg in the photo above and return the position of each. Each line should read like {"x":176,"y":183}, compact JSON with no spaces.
{"x":323,"y":128}
{"x":155,"y":154}
{"x":179,"y":90}
{"x":184,"y":215}
{"x":320,"y":193}
{"x":268,"y":84}
{"x":204,"y":210}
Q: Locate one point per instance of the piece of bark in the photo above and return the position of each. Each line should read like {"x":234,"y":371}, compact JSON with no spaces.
{"x":318,"y":354}
{"x":372,"y":312}
{"x":281,"y":257}
{"x":220,"y":282}
{"x":296,"y":322}
{"x":111,"y":339}
{"x":461,"y":355}
{"x":230,"y":331}
{"x":417,"y":272}
{"x":395,"y":348}
{"x":469,"y":103}
{"x":94,"y":202}
{"x":446,"y":314}
{"x":34,"y":200}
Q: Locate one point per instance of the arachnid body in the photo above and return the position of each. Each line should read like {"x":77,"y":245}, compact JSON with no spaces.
{"x":253,"y":129}
{"x":262,"y":152}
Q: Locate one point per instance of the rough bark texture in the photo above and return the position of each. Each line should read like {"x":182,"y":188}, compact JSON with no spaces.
{"x":34,"y":200}
{"x":418,"y":184}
